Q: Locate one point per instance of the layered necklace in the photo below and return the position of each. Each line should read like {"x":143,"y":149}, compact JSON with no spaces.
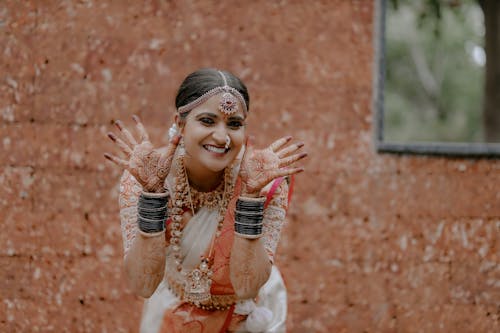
{"x":197,"y":281}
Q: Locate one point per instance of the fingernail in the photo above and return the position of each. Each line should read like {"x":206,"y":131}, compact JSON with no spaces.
{"x":303,"y":155}
{"x":107,"y":156}
{"x":112,"y":136}
{"x":288,"y":138}
{"x":300,"y":144}
{"x":119,"y":124}
{"x":136,"y":119}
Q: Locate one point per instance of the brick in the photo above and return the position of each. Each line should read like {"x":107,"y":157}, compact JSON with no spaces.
{"x":22,"y":315}
{"x":16,"y":277}
{"x":414,"y":194}
{"x":16,"y":190}
{"x":475,"y":282}
{"x":103,"y":236}
{"x":77,"y":192}
{"x":448,"y":318}
{"x":22,"y":232}
{"x":17,"y":63}
{"x":426,"y":284}
{"x":18,"y":144}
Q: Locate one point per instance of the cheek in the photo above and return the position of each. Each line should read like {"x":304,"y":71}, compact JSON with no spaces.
{"x":193,"y":133}
{"x":238,"y":138}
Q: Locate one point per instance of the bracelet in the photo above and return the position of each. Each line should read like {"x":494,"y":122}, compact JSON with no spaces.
{"x":154,"y":215}
{"x":152,"y":212}
{"x":248,"y":229}
{"x":250,"y":224}
{"x":250,"y":204}
{"x":152,"y":201}
{"x":247,"y":236}
{"x":150,"y":226}
{"x":249,"y":214}
{"x":249,"y":219}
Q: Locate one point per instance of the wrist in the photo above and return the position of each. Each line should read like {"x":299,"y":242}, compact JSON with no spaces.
{"x":157,"y":189}
{"x":152,"y":212}
{"x":249,"y":194}
{"x":249,"y":214}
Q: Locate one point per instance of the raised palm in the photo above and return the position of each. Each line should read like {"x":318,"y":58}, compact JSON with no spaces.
{"x":260,"y":166}
{"x":148,"y":165}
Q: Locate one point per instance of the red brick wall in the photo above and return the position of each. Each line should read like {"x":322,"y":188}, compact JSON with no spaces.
{"x":375,"y":243}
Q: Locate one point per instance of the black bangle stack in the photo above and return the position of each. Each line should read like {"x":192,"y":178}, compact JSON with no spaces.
{"x":249,"y":215}
{"x":152,"y":212}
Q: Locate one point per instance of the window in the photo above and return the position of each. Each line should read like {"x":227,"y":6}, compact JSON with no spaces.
{"x":434,"y":89}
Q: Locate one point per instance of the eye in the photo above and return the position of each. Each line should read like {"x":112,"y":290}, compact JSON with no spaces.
{"x":235,"y":124}
{"x":206,"y":121}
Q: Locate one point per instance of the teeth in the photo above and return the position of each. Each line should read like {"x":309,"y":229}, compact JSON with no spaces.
{"x":215,"y":149}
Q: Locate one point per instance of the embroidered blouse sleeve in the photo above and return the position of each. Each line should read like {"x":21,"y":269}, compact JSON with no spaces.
{"x":274,"y":219}
{"x":130,"y":190}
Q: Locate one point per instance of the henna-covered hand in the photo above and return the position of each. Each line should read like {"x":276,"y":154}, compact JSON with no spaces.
{"x":260,"y":167}
{"x":149,"y":166}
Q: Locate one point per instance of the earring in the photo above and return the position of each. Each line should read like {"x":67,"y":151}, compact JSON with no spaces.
{"x":181,"y":148}
{"x":173,"y":131}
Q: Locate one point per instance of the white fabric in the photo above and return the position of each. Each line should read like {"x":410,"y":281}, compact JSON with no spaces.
{"x":198,"y":233}
{"x":272,"y":295}
{"x":197,"y":236}
{"x":195,"y":240}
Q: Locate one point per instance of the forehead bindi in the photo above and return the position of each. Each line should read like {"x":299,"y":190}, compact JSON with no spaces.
{"x":212,"y":105}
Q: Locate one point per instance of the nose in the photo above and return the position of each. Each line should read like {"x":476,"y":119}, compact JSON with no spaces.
{"x":220,"y":134}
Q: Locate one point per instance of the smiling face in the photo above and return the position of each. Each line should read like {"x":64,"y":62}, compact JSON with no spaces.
{"x":205,"y":132}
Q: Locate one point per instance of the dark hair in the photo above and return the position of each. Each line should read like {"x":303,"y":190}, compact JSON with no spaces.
{"x":205,"y":79}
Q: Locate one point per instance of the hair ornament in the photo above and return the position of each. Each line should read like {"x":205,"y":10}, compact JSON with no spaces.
{"x":228,"y":103}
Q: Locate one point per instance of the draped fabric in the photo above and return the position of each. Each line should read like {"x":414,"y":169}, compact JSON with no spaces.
{"x":163,"y":311}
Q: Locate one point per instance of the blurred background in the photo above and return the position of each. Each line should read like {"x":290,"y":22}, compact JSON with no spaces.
{"x":436,"y":70}
{"x":374,"y":242}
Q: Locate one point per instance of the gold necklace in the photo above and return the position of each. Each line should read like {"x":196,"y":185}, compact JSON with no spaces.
{"x":198,"y":281}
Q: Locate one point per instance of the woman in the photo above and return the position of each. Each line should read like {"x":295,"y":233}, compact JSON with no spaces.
{"x":202,"y":217}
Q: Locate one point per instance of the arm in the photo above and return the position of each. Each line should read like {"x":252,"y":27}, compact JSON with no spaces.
{"x":144,"y":258}
{"x":251,"y":259}
{"x":250,"y":267}
{"x":145,"y":169}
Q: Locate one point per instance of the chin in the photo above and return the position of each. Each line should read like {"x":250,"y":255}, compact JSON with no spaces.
{"x":216,"y":166}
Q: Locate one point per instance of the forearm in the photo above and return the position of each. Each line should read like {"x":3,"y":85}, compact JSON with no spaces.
{"x":145,"y":263}
{"x":250,"y":267}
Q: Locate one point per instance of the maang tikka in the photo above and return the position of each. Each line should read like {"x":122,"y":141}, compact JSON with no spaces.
{"x":228,"y":103}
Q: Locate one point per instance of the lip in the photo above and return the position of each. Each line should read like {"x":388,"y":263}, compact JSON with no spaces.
{"x":220,"y":151}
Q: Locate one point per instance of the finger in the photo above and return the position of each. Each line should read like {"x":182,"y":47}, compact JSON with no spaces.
{"x":116,"y":160}
{"x":167,"y":157}
{"x":285,"y":172}
{"x":248,"y":148}
{"x":290,"y":150}
{"x":276,"y":145}
{"x":123,"y":146}
{"x":175,"y":139}
{"x":291,"y":159}
{"x":248,"y":140}
{"x":140,"y":127}
{"x":129,"y":138}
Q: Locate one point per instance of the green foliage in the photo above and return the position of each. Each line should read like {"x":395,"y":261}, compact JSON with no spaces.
{"x":434,"y":87}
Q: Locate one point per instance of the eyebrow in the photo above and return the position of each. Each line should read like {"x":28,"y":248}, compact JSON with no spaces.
{"x":213,"y":115}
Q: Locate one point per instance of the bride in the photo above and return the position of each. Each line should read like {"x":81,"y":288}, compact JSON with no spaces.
{"x":201,"y":218}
